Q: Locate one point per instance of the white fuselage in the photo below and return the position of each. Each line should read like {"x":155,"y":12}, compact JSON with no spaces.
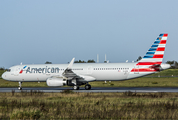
{"x":98,"y":71}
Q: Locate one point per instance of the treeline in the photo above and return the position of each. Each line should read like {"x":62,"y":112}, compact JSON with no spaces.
{"x":174,"y":64}
{"x":82,"y":61}
{"x":77,"y":61}
{"x":2,"y":68}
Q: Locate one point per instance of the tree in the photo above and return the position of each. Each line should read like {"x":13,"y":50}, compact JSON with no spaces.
{"x":170,"y":62}
{"x":139,"y":58}
{"x":80,"y":61}
{"x":47,"y":62}
{"x":174,"y":64}
{"x":2,"y":68}
{"x":90,"y":61}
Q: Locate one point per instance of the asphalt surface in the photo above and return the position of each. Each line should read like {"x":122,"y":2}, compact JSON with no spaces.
{"x":95,"y":89}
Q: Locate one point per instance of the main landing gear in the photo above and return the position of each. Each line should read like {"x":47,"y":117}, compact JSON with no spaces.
{"x":76,"y":87}
{"x":87,"y":87}
{"x":20,"y":84}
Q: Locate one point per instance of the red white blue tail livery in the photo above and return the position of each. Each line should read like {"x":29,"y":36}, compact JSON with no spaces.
{"x":152,"y":60}
{"x":156,"y":52}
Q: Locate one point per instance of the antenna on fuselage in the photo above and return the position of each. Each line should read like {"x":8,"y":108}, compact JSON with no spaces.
{"x":21,"y":63}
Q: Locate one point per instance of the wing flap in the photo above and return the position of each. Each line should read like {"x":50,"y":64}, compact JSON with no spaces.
{"x":68,"y":73}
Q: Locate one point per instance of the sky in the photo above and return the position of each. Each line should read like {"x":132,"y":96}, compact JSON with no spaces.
{"x":36,"y":31}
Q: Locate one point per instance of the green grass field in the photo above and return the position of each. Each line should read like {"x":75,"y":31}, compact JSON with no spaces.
{"x":149,"y":81}
{"x":70,"y":105}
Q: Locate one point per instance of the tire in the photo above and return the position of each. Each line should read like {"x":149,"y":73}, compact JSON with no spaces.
{"x":87,"y":87}
{"x":76,"y":87}
{"x":19,"y":88}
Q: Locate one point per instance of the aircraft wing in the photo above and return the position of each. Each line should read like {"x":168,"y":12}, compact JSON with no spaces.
{"x":68,"y":73}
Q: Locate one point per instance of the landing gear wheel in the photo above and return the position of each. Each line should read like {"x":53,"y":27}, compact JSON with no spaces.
{"x":76,"y":87}
{"x":20,"y":84}
{"x":19,"y":88}
{"x":87,"y":87}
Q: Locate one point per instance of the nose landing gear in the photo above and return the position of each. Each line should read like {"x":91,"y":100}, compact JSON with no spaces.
{"x":20,"y":84}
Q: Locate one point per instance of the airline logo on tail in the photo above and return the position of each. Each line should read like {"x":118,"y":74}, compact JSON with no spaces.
{"x":154,"y":56}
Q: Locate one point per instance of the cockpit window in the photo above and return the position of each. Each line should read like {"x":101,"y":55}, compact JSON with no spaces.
{"x":8,"y":70}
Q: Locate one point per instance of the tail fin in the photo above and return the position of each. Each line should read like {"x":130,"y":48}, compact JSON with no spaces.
{"x":155,"y":54}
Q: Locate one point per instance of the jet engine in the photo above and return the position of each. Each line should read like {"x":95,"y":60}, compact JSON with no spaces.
{"x":55,"y":82}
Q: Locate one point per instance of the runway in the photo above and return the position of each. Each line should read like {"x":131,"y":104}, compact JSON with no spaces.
{"x":96,"y":89}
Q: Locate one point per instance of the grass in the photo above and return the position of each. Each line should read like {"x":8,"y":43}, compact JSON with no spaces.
{"x":138,"y":82}
{"x":70,"y":105}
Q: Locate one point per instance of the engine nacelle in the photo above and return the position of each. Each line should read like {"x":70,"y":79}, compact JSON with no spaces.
{"x":55,"y":82}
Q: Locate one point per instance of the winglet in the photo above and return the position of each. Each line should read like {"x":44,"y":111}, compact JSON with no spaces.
{"x":70,"y":64}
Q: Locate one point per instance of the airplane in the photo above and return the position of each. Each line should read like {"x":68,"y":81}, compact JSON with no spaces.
{"x":77,"y":74}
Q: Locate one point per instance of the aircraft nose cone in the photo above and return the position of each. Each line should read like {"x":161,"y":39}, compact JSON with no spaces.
{"x":3,"y":76}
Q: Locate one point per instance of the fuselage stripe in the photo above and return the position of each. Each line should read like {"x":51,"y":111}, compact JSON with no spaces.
{"x":143,"y":70}
{"x":148,"y":63}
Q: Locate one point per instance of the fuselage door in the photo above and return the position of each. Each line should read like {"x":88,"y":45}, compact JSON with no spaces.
{"x":126,"y":71}
{"x":89,"y":69}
